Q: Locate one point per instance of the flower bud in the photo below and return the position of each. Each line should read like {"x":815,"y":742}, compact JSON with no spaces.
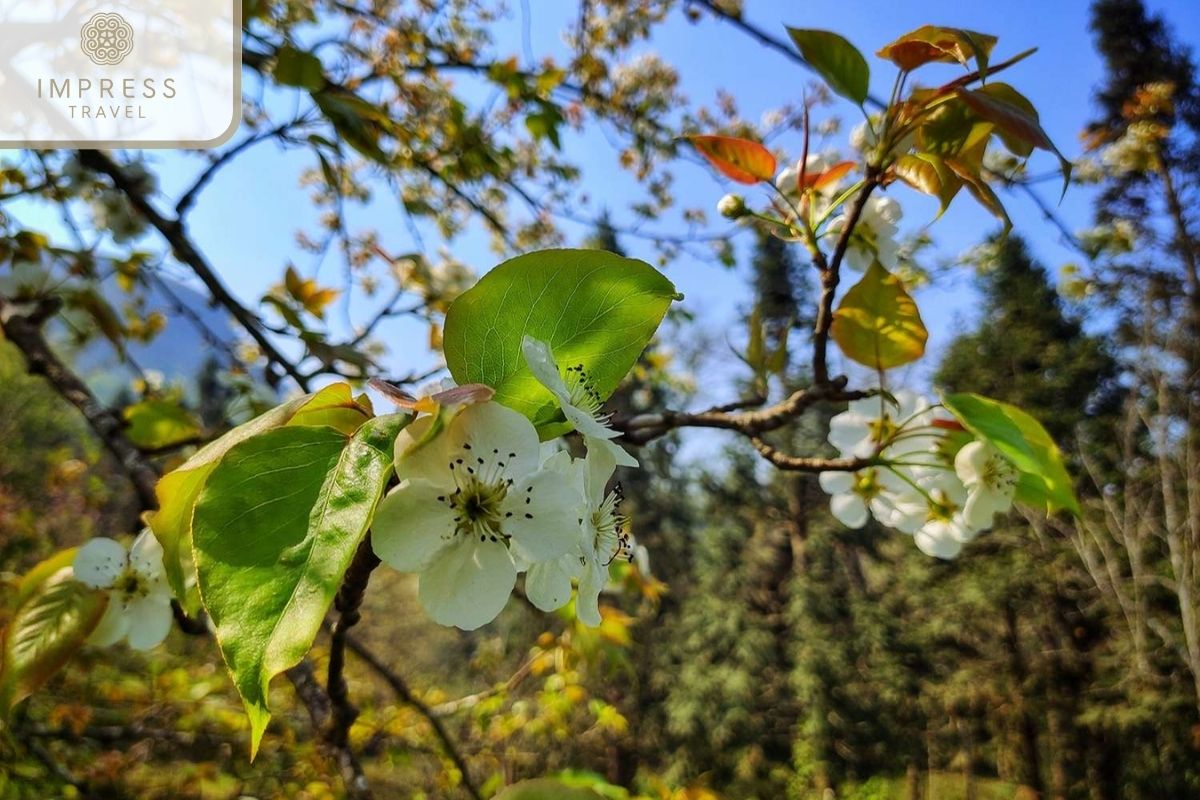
{"x":732,"y":206}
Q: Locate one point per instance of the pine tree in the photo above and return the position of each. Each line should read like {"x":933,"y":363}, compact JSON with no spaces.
{"x":1027,"y":351}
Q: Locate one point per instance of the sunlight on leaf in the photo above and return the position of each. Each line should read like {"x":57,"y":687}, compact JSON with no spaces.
{"x":877,"y":323}
{"x":737,"y":159}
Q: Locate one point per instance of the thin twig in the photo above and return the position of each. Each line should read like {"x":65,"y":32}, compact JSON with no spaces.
{"x":23,"y":327}
{"x":405,"y":695}
{"x":176,"y":235}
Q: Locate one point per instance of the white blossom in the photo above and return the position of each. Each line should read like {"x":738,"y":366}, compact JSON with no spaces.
{"x":869,"y":424}
{"x":577,"y":398}
{"x":944,"y":531}
{"x":990,"y":480}
{"x":139,"y":599}
{"x":474,"y":507}
{"x":604,"y":539}
{"x":874,"y":236}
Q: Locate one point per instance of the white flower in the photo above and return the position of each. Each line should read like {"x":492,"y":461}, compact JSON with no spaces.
{"x":862,"y":137}
{"x":139,"y":600}
{"x":577,"y":397}
{"x":874,"y":236}
{"x":991,"y":482}
{"x":474,"y":507}
{"x":944,"y":531}
{"x":868,"y":425}
{"x":882,"y":492}
{"x":604,"y":539}
{"x":732,"y":206}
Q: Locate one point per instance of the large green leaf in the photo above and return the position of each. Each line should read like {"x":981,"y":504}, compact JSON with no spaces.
{"x":177,"y":490}
{"x":595,"y":309}
{"x":836,"y":60}
{"x":55,"y":616}
{"x":545,"y":789}
{"x":1044,"y":481}
{"x":274,"y":530}
{"x":877,"y":323}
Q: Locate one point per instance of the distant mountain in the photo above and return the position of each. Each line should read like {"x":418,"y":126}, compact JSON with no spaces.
{"x":178,"y":352}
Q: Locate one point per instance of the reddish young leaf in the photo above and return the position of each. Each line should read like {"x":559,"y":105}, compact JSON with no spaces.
{"x":931,"y":43}
{"x":738,"y":159}
{"x":832,"y":175}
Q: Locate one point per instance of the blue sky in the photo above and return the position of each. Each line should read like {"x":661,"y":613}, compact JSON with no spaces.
{"x":247,"y":219}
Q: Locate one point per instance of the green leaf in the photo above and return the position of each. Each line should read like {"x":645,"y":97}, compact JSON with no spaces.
{"x":335,"y":406}
{"x":595,"y":309}
{"x":357,"y":122}
{"x":1015,"y":117}
{"x":545,"y":789}
{"x":1044,"y":482}
{"x":981,"y":191}
{"x":877,"y":323}
{"x":298,"y":68}
{"x":836,"y":60}
{"x":177,"y":490}
{"x":56,"y":615}
{"x":1016,"y":121}
{"x":927,"y":173}
{"x":274,"y":530}
{"x":154,"y":424}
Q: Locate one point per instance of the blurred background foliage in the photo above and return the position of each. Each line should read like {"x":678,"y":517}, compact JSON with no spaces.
{"x":770,"y":652}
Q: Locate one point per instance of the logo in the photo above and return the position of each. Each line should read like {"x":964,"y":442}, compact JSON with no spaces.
{"x":106,"y":39}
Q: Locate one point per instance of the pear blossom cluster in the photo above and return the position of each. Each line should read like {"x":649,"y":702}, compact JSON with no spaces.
{"x":924,"y":476}
{"x":481,"y":500}
{"x":876,"y":235}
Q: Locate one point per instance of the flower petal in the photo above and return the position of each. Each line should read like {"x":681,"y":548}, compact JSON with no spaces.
{"x":100,"y":562}
{"x":852,"y":436}
{"x":490,"y":430}
{"x":599,"y":466}
{"x":971,"y":462}
{"x":982,"y":506}
{"x":416,"y":458}
{"x":548,"y":584}
{"x":146,"y":558}
{"x":541,"y":513}
{"x":836,"y":482}
{"x":149,"y":622}
{"x":591,"y":584}
{"x":585,"y":423}
{"x":412,"y":525}
{"x":849,"y":509}
{"x":112,"y":626}
{"x":934,"y":540}
{"x":540,"y":359}
{"x":619,"y":455}
{"x":468,"y":584}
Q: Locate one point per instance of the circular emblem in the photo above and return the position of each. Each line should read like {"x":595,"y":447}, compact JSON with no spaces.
{"x":106,"y":39}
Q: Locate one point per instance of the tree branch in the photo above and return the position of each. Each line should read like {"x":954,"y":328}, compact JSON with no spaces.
{"x":176,"y":235}
{"x":405,"y":695}
{"x":23,"y":327}
{"x":347,"y":604}
{"x":647,"y":427}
